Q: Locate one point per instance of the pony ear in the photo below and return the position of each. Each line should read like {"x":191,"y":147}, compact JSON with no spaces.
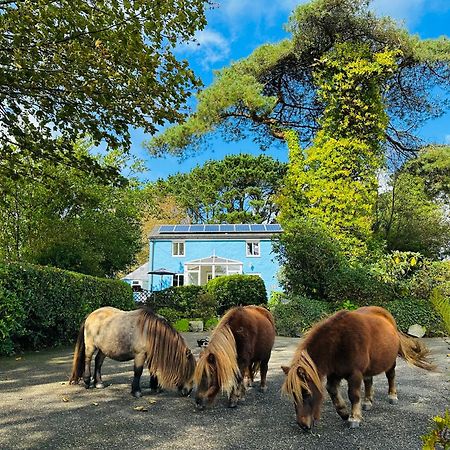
{"x":211,"y":358}
{"x":285,"y":369}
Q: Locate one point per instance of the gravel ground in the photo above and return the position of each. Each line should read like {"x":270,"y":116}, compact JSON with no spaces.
{"x":40,"y":410}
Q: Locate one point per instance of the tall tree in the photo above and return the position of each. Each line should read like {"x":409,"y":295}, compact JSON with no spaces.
{"x":73,"y":221}
{"x":77,"y":67}
{"x":238,"y":189}
{"x":274,"y":89}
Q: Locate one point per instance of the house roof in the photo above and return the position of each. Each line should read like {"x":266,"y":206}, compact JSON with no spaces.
{"x":215,"y":260}
{"x":215,"y":231}
{"x":141,"y":273}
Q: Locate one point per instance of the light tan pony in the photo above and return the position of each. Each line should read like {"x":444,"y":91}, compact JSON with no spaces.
{"x":240,"y":345}
{"x":351,"y":345}
{"x":140,"y":335}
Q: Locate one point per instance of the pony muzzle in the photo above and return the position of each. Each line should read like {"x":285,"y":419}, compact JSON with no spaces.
{"x":184,"y":391}
{"x":201,"y":403}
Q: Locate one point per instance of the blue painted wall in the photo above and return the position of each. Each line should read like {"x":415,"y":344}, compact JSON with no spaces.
{"x":264,"y":265}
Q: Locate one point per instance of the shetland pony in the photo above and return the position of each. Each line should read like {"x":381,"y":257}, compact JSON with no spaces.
{"x":138,"y":334}
{"x":355,"y":345}
{"x":239,"y":346}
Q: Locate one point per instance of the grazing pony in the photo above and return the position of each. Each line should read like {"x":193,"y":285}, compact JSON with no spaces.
{"x":138,"y":334}
{"x":355,"y":345}
{"x":239,"y":346}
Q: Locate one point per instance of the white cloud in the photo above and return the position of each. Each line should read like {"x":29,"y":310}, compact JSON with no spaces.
{"x":210,"y":45}
{"x":447,"y":139}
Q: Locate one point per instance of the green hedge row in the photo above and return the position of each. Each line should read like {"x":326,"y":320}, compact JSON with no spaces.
{"x":44,"y":306}
{"x":295,"y":314}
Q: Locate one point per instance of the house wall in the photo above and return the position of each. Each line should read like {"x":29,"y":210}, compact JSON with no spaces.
{"x":264,"y":265}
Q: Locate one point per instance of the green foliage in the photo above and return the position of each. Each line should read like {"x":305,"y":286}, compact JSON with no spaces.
{"x":170,"y":314}
{"x":86,"y":68}
{"x":438,"y":436}
{"x":408,"y":312}
{"x":54,"y":302}
{"x":210,"y":324}
{"x":431,"y":275}
{"x":237,"y":290}
{"x":73,"y":221}
{"x":238,"y":189}
{"x":296,"y":314}
{"x":440,"y":298}
{"x":410,"y":220}
{"x":308,"y":256}
{"x":181,"y":325}
{"x":12,"y":319}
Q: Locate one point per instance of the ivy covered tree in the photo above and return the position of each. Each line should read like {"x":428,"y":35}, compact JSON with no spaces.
{"x":238,"y":189}
{"x":77,"y":67}
{"x":275,"y":89}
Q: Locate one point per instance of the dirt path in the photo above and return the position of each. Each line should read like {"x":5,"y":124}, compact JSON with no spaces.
{"x":39,"y":410}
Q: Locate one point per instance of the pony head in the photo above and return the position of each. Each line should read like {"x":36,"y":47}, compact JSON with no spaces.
{"x":304,"y":386}
{"x":217,"y":368}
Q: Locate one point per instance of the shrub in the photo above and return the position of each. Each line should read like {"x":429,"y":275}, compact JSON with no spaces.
{"x":181,"y":325}
{"x":408,"y":312}
{"x":432,"y":275}
{"x":439,"y":435}
{"x":170,"y":314}
{"x":205,"y":307}
{"x":12,"y":318}
{"x":56,"y":301}
{"x":440,"y":298}
{"x":210,"y":324}
{"x":235,"y":290}
{"x":180,"y":298}
{"x":299,"y":314}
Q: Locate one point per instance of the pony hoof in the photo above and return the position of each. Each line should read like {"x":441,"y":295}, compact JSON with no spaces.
{"x":137,"y":394}
{"x":232,"y":404}
{"x":263,"y":389}
{"x":367,"y":406}
{"x":353,"y":423}
{"x":99,"y":385}
{"x":393,"y":400}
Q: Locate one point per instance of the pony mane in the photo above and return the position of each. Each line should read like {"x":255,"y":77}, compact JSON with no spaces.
{"x":168,"y":355}
{"x":294,"y":383}
{"x":223,"y":346}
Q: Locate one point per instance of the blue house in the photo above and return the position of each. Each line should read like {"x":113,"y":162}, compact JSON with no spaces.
{"x":194,"y":254}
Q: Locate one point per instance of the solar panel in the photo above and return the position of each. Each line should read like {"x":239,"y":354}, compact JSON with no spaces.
{"x":181,"y":228}
{"x":196,"y":228}
{"x":226,"y":228}
{"x":273,"y":227}
{"x":257,"y":227}
{"x":242,"y":227}
{"x":211,"y":228}
{"x":166,"y":228}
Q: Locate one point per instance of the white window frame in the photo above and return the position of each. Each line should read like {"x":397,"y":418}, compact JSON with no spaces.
{"x":252,"y":242}
{"x":176,"y":244}
{"x":177,"y":277}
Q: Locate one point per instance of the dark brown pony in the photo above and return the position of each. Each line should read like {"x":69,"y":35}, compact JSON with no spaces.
{"x":240,"y":346}
{"x":355,"y":345}
{"x":138,"y":334}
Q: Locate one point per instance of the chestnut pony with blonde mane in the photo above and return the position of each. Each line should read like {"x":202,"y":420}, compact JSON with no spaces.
{"x":138,"y":334}
{"x":355,"y":345}
{"x":240,"y":345}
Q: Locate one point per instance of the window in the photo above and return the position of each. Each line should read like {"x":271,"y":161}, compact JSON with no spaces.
{"x":178,"y":279}
{"x":253,"y":248}
{"x":178,"y":248}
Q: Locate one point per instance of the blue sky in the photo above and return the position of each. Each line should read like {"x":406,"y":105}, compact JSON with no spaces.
{"x":236,"y":27}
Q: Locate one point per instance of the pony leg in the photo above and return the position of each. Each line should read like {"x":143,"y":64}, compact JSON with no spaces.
{"x":139,"y":360}
{"x":392,"y":393}
{"x":89,"y":349}
{"x":98,"y":369}
{"x":263,"y":371}
{"x":154,"y":384}
{"x":336,"y":398}
{"x":238,"y":392}
{"x":354,"y":394}
{"x":368,"y":393}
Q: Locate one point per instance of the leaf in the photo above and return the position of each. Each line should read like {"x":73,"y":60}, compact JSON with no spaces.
{"x":66,"y":399}
{"x":140,"y":408}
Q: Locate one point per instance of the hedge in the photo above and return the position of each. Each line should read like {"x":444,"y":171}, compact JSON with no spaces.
{"x":44,"y":306}
{"x":235,"y":290}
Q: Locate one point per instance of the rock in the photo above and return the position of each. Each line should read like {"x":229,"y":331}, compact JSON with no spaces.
{"x":417,"y":330}
{"x":196,"y":326}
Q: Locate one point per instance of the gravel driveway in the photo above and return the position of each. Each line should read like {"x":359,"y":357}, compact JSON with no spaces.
{"x":38,"y":409}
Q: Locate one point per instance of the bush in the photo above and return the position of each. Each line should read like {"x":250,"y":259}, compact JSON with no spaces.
{"x":408,"y":312}
{"x":235,"y":290}
{"x":432,"y":275}
{"x":440,"y":298}
{"x":181,"y":325}
{"x":12,"y":318}
{"x":170,"y":314}
{"x":56,"y":301}
{"x":299,"y":314}
{"x":210,"y":324}
{"x":439,"y":435}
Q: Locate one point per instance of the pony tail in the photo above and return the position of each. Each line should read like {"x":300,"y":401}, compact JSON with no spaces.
{"x":414,"y":352}
{"x":78,"y":357}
